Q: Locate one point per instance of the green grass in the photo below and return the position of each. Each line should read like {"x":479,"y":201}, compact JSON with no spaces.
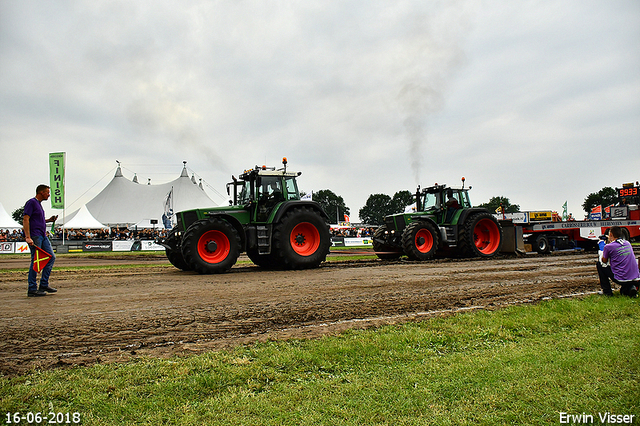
{"x":522,"y":365}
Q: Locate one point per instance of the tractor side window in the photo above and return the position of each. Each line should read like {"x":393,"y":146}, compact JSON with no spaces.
{"x":245,"y":194}
{"x":466,"y":203}
{"x":292,"y":189}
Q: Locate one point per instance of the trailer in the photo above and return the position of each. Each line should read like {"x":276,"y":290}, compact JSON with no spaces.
{"x":543,"y":231}
{"x":546,"y":237}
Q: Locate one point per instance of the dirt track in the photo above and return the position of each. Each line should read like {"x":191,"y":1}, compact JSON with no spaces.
{"x":103,"y":315}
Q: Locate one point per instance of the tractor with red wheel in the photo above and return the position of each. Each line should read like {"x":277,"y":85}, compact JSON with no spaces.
{"x":267,"y":220}
{"x":442,"y":220}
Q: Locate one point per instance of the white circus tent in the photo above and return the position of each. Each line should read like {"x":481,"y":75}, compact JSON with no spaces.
{"x":6,"y":221}
{"x":125,"y":202}
{"x":84,"y":220}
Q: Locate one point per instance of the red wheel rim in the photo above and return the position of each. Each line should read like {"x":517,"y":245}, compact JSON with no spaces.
{"x":427,"y":241}
{"x":305,"y":239}
{"x":486,"y":236}
{"x":222,"y":246}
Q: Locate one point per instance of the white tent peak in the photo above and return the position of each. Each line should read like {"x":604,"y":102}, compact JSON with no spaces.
{"x":6,"y":221}
{"x":125,"y":203}
{"x":84,"y":220}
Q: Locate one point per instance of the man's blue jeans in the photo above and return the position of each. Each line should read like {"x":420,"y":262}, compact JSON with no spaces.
{"x":44,"y":244}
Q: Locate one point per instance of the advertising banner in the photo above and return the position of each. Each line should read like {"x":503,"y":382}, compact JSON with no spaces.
{"x":351,"y":242}
{"x":150,"y":246}
{"x":122,"y":245}
{"x":521,"y":217}
{"x":97,"y":246}
{"x":22,"y":247}
{"x":6,"y":247}
{"x":591,"y":233}
{"x":540,"y":216}
{"x":56,"y":171}
{"x":619,"y":212}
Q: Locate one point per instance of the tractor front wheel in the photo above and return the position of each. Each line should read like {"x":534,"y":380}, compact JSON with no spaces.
{"x":173,"y":252}
{"x":420,"y":241}
{"x":301,"y":240}
{"x":211,"y":246}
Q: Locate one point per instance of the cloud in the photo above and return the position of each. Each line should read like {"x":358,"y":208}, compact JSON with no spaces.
{"x":363,"y":97}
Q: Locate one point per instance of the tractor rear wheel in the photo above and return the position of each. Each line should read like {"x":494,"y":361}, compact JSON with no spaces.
{"x":301,"y":239}
{"x":481,"y":235}
{"x":173,"y":252}
{"x":383,"y":250}
{"x":211,"y":246}
{"x":420,"y":241}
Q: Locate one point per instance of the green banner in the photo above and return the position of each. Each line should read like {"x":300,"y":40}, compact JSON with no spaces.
{"x":56,"y":170}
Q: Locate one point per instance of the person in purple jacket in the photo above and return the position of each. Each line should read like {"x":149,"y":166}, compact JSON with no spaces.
{"x":35,"y":234}
{"x":623,"y":268}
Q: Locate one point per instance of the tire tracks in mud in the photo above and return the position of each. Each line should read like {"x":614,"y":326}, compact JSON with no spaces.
{"x":116,"y":314}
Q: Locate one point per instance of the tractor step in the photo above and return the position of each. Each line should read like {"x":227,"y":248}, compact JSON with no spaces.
{"x":264,"y":239}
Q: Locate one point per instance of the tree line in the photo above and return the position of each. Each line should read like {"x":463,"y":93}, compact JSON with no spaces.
{"x":380,"y":205}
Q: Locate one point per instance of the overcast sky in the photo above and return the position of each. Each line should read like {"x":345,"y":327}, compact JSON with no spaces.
{"x":537,"y":101}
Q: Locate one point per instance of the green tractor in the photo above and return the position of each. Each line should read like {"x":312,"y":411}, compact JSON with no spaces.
{"x":267,"y":220}
{"x":443,"y":220}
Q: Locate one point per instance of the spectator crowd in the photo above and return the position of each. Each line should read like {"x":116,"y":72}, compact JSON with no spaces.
{"x":7,"y":235}
{"x":117,"y":233}
{"x":353,"y":232}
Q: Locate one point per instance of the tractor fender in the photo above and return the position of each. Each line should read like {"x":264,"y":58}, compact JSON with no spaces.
{"x":466,"y":213}
{"x":234,"y":222}
{"x":288,"y":205}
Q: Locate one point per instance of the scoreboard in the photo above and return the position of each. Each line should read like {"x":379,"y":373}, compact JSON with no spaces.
{"x":628,"y":192}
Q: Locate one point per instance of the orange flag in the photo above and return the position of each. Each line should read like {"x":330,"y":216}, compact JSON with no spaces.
{"x":40,"y":259}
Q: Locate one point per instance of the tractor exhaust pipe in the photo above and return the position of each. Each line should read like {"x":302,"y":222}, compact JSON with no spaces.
{"x":418,"y":206}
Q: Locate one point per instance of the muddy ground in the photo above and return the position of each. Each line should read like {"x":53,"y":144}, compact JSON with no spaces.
{"x":104,"y":315}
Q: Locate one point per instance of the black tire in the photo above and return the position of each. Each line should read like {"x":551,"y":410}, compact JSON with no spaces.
{"x":301,"y":239}
{"x":173,"y":252}
{"x":384,"y":251}
{"x":211,"y":246}
{"x":420,"y":241}
{"x":541,"y":244}
{"x":625,"y":234}
{"x":480,"y":236}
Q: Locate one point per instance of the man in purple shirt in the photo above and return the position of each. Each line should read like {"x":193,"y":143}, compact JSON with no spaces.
{"x":623,"y":267}
{"x":35,"y":233}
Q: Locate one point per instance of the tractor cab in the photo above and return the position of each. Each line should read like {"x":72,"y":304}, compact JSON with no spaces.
{"x":261,"y":189}
{"x":442,"y":201}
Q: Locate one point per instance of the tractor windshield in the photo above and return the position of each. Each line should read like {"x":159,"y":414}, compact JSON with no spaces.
{"x":430,"y":201}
